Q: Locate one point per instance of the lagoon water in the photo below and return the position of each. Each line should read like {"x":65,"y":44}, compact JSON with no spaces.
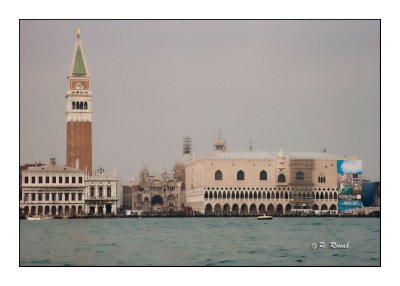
{"x":224,"y":241}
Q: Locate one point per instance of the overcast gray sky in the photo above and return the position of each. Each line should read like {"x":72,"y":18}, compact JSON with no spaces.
{"x":302,"y":85}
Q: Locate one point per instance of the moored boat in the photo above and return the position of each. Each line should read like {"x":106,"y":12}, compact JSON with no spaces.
{"x":37,"y":217}
{"x":264,"y":217}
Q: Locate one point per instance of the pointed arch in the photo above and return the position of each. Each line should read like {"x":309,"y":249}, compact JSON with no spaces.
{"x":263,"y":175}
{"x":261,"y":208}
{"x":240,"y":175}
{"x":218,"y":175}
{"x":224,"y":195}
{"x":206,"y":195}
{"x":281,"y":178}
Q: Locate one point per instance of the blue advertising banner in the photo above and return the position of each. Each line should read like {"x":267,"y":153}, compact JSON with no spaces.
{"x":350,"y":184}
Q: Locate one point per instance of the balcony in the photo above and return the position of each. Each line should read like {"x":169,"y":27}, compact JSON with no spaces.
{"x":98,"y":198}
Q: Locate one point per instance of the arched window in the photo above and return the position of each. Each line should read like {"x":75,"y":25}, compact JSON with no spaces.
{"x":281,"y":178}
{"x":100,"y":191}
{"x":206,"y":195}
{"x":85,"y":105}
{"x":319,"y":179}
{"x":263,"y":175}
{"x":81,"y":105}
{"x":77,"y":105}
{"x":240,"y":175}
{"x":108,"y":191}
{"x":300,"y":176}
{"x":73,"y":105}
{"x":211,"y":195}
{"x":218,"y":175}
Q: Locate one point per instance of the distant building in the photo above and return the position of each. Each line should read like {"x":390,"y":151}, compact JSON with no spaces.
{"x":101,"y":193}
{"x":224,"y":182}
{"x":371,"y":193}
{"x":22,"y":168}
{"x":58,"y":190}
{"x":126,"y":197}
{"x":158,"y":194}
{"x":52,"y":190}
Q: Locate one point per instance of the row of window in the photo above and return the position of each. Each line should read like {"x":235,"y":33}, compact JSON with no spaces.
{"x":93,"y":193}
{"x":46,"y":197}
{"x":46,"y":179}
{"x":79,"y":105}
{"x":270,"y":188}
{"x":161,"y":189}
{"x":240,"y":176}
{"x":268,"y":195}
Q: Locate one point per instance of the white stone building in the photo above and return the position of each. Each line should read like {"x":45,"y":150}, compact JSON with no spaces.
{"x":101,"y":194}
{"x":53,"y":190}
{"x":224,"y":182}
{"x":56,"y":190}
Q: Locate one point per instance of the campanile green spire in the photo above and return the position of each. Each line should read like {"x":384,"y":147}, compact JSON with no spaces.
{"x":79,"y":64}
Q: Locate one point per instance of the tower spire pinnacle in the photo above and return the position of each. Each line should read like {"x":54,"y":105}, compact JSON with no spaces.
{"x":79,"y":67}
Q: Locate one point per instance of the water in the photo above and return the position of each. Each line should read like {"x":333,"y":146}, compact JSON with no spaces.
{"x":226,"y":241}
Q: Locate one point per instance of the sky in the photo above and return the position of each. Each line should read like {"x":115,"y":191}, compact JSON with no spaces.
{"x":299,"y":85}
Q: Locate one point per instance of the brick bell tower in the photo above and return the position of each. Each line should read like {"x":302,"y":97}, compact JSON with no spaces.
{"x":79,"y":112}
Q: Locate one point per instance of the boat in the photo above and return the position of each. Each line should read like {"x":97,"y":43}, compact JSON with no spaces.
{"x":37,"y":217}
{"x":264,"y":217}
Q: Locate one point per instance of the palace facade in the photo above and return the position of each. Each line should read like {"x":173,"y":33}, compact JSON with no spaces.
{"x":251,"y":182}
{"x":56,"y":190}
{"x":51,"y":190}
